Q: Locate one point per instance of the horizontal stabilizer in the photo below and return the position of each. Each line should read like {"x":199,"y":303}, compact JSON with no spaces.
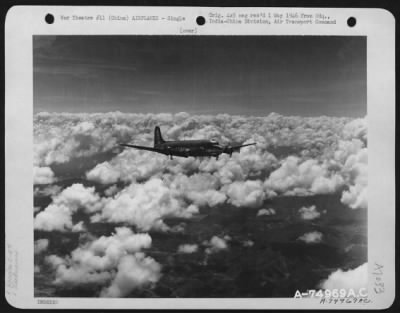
{"x":238,"y":147}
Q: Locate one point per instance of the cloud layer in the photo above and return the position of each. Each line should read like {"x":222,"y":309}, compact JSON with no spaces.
{"x":293,"y":156}
{"x":327,"y":155}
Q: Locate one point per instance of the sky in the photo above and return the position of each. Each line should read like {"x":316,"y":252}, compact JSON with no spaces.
{"x":238,"y":75}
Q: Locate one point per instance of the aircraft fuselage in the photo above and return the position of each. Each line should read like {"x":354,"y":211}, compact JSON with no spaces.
{"x":187,"y":148}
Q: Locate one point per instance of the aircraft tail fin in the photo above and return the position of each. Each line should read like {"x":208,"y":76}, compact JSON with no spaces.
{"x":158,"y":139}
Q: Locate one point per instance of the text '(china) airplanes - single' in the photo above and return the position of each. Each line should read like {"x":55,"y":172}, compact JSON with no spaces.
{"x":187,"y":148}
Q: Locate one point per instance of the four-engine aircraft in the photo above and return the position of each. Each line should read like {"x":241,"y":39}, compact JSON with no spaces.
{"x":187,"y":148}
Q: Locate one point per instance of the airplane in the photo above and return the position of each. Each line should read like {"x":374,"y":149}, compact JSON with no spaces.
{"x":187,"y":148}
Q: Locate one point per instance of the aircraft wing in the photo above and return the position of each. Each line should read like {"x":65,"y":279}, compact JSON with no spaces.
{"x":241,"y":146}
{"x":142,"y":148}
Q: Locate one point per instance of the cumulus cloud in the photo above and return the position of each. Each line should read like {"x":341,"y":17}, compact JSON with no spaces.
{"x":356,"y":129}
{"x":200,"y":189}
{"x":216,"y":244}
{"x":356,"y":168}
{"x":133,"y":271}
{"x":78,"y":227}
{"x":110,"y":191}
{"x":354,"y":278}
{"x":49,"y":190}
{"x":43,"y":175}
{"x":311,"y":237}
{"x":74,"y":135}
{"x":355,"y":197}
{"x":249,"y":193}
{"x":328,"y":165}
{"x":115,"y":263}
{"x":248,"y":243}
{"x":78,"y":196}
{"x":180,"y":228}
{"x":58,"y":215}
{"x":104,"y":173}
{"x":296,"y":177}
{"x":251,"y":162}
{"x":144,"y":205}
{"x":129,"y":166}
{"x":41,"y":246}
{"x":188,"y":248}
{"x":54,"y":217}
{"x":269,"y":211}
{"x":309,"y":213}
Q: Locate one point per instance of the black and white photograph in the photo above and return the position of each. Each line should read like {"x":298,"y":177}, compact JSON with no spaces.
{"x":199,"y":166}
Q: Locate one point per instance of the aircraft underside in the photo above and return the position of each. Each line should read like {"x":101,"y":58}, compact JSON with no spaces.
{"x":190,"y":153}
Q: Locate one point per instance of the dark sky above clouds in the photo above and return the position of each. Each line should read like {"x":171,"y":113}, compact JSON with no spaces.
{"x":252,"y":75}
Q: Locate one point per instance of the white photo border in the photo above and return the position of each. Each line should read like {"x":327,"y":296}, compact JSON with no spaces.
{"x":23,"y":22}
